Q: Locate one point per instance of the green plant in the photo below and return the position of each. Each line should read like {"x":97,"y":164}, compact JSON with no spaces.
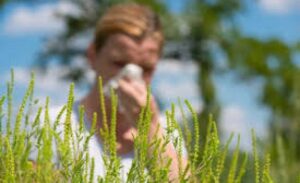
{"x":36,"y":130}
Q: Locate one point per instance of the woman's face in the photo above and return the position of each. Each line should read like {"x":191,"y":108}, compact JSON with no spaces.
{"x":121,"y":49}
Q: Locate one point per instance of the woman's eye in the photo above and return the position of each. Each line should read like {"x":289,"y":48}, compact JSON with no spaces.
{"x":148,"y":70}
{"x":119,"y":64}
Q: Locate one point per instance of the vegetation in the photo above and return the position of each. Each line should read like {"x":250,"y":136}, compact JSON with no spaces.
{"x":205,"y":32}
{"x":26,"y":131}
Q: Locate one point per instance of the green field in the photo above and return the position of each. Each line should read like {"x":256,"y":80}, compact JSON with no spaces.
{"x":208,"y":159}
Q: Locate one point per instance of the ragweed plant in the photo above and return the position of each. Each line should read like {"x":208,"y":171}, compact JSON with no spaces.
{"x":38,"y":147}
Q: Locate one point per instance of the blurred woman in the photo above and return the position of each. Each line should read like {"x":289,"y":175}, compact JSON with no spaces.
{"x":126,"y":34}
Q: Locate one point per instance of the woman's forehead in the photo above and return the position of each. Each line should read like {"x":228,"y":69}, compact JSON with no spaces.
{"x":124,"y":41}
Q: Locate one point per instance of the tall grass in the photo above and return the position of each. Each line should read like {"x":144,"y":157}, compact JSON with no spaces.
{"x":37,"y":131}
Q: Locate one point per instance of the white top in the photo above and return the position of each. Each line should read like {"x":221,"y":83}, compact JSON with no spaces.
{"x":95,"y":148}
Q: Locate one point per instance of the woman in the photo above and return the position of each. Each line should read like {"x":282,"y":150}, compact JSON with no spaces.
{"x":127,"y":34}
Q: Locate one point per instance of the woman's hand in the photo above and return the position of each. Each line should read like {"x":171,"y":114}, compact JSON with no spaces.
{"x":132,"y":96}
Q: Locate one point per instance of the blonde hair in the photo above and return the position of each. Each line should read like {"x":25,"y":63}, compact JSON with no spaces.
{"x":134,"y":20}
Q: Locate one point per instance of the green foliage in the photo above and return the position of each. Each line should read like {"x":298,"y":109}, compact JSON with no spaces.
{"x":208,"y":33}
{"x":207,"y":163}
{"x":2,"y":2}
{"x":233,"y":166}
{"x":255,"y":157}
{"x":205,"y":29}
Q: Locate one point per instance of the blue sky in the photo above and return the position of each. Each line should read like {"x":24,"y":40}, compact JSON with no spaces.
{"x":23,"y":27}
{"x":272,"y":18}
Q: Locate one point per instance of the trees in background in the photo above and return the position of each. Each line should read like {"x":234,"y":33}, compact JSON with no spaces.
{"x":199,"y":31}
{"x":204,"y":31}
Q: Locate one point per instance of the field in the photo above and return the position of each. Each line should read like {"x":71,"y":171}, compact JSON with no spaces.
{"x":208,"y":159}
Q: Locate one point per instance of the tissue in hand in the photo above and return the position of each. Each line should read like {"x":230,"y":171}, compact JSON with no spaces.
{"x":131,"y":71}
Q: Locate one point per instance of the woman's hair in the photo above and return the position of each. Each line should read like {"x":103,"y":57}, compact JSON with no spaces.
{"x":135,"y":20}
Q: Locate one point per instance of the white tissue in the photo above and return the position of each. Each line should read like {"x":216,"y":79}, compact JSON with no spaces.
{"x":131,"y":71}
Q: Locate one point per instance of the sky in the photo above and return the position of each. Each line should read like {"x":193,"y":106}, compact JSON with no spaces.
{"x":23,"y":28}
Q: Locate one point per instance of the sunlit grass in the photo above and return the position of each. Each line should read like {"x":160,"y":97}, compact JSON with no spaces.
{"x":210,"y":162}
